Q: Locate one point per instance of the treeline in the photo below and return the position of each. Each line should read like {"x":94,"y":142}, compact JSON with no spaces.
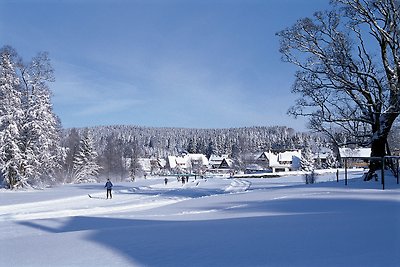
{"x":161,"y":142}
{"x":118,"y":146}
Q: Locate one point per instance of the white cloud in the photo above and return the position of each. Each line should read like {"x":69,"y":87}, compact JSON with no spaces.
{"x":85,"y":92}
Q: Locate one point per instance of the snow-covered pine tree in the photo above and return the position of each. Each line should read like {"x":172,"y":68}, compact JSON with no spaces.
{"x":86,"y":168}
{"x":71,"y":143}
{"x":134,"y":166}
{"x":10,"y":116}
{"x":307,"y":163}
{"x":210,"y":149}
{"x":41,"y":129}
{"x":331,"y":162}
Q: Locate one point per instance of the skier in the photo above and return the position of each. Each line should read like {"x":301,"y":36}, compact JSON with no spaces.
{"x":109,"y":186}
{"x":165,"y":180}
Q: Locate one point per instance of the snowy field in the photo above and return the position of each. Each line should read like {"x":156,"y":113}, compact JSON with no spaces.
{"x":213,"y":222}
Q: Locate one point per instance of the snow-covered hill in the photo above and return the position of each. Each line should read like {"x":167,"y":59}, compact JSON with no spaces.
{"x":213,"y":222}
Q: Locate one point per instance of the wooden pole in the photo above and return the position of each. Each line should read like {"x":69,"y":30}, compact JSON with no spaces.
{"x":397,"y":171}
{"x":345,"y":171}
{"x":383,"y":174}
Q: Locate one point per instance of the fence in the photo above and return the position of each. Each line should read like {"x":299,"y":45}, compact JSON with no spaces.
{"x":391,"y":161}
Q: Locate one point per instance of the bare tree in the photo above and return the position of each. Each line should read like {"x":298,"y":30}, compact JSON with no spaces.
{"x":349,"y":70}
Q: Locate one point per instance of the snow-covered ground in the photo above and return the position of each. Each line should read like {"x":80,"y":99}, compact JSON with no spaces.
{"x":213,"y":222}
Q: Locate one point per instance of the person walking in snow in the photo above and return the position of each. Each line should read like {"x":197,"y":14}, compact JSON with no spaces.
{"x":109,"y":186}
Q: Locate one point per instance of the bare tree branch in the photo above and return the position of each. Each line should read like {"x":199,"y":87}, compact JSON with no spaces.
{"x":350,"y":68}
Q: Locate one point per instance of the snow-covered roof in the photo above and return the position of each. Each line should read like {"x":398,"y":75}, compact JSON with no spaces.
{"x":185,"y":161}
{"x":272,"y":158}
{"x":174,"y":161}
{"x":171,"y":161}
{"x":217,"y":158}
{"x":214,"y":159}
{"x":346,"y":152}
{"x":281,"y":159}
{"x":198,"y":157}
{"x":162,"y":162}
{"x":289,"y":155}
{"x":228,"y":161}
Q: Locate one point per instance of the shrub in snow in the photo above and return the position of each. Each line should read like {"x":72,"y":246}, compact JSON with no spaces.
{"x":310,"y":177}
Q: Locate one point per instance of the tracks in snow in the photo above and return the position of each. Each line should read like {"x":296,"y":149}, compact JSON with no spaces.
{"x":238,"y":185}
{"x":83,"y":206}
{"x":136,"y":199}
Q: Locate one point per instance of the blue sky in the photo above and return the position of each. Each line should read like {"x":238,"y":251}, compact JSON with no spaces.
{"x":194,"y":64}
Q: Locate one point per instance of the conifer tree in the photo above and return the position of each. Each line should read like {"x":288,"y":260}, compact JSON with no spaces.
{"x":71,"y":143}
{"x":331,"y":162}
{"x":10,"y":117}
{"x":86,"y":168}
{"x":307,"y":161}
{"x":307,"y":164}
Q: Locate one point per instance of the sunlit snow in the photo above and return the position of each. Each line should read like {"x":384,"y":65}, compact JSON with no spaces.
{"x":206,"y":222}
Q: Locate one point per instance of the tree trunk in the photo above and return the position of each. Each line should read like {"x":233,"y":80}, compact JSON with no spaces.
{"x":379,"y":139}
{"x":378,"y":146}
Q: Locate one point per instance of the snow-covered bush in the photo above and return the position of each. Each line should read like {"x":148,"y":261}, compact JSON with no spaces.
{"x":310,"y":177}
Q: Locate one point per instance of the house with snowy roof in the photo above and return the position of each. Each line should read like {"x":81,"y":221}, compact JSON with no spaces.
{"x":268,"y":158}
{"x":176,"y":163}
{"x":220,"y":162}
{"x":198,"y":159}
{"x":152,"y":165}
{"x":187,"y":163}
{"x":346,"y":152}
{"x":281,"y":161}
{"x":355,"y":157}
{"x":197,"y":162}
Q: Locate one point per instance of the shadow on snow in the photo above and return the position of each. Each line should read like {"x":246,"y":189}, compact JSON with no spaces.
{"x":323,"y":232}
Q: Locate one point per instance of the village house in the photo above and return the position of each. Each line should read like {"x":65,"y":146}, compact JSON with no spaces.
{"x":281,"y":161}
{"x":152,"y":165}
{"x":356,"y":157}
{"x":199,"y":162}
{"x":222,"y":162}
{"x":187,"y":163}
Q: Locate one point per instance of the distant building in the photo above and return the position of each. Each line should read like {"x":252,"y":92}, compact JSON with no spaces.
{"x":346,"y":152}
{"x":281,"y":161}
{"x":358,"y":157}
{"x":220,"y":162}
{"x":152,"y":165}
{"x":187,"y":163}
